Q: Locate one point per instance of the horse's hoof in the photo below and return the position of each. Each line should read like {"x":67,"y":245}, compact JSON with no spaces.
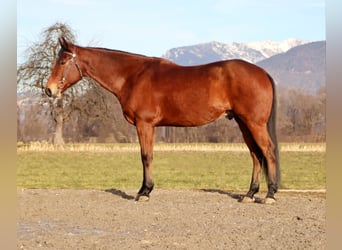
{"x":269,"y":200}
{"x":247,"y":199}
{"x":142,"y":198}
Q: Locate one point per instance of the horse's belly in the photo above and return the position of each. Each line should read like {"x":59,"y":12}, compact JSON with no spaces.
{"x":191,"y":117}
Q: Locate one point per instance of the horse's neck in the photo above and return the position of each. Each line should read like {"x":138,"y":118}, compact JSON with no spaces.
{"x":109,"y":68}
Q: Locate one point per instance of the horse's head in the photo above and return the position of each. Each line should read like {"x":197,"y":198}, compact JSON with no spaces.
{"x":66,"y":71}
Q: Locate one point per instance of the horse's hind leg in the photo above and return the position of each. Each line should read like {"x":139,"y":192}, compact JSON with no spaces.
{"x":267,"y":147}
{"x":257,"y":157}
{"x":146,"y":136}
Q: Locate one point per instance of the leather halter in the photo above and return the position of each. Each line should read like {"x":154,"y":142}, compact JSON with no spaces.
{"x":66,"y":72}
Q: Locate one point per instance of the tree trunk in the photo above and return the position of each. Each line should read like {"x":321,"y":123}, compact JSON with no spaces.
{"x":58,"y":136}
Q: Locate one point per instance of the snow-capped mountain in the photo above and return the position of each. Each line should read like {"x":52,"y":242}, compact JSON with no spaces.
{"x":215,"y":51}
{"x":270,"y":48}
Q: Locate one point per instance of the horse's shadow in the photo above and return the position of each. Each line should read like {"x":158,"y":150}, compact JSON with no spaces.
{"x":235,"y":196}
{"x":120,"y":193}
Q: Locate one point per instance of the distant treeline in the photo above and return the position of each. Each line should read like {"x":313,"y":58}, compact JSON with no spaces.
{"x":96,"y":116}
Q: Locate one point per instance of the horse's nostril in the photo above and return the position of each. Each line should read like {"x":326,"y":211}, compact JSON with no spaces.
{"x":48,"y":92}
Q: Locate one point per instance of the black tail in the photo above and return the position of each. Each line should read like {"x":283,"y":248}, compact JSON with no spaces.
{"x":271,"y":127}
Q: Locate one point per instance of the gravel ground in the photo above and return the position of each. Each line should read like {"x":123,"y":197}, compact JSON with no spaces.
{"x":171,"y":219}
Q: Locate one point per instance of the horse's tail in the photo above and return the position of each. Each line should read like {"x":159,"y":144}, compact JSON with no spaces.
{"x":271,"y":127}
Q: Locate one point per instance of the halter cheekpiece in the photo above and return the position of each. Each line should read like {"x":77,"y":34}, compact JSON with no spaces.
{"x":66,"y":72}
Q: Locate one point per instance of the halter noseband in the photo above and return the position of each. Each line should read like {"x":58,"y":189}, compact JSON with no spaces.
{"x":66,"y":72}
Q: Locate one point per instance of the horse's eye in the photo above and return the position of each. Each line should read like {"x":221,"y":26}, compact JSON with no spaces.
{"x":62,"y":62}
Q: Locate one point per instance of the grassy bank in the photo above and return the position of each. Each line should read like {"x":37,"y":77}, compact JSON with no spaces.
{"x":176,"y":166}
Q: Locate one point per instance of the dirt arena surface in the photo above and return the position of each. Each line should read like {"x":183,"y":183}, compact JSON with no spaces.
{"x":172,"y":219}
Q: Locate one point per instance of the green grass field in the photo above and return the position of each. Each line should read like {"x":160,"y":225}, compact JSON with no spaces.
{"x":202,"y":166}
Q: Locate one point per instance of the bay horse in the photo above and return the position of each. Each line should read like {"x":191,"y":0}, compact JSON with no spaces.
{"x":156,"y":92}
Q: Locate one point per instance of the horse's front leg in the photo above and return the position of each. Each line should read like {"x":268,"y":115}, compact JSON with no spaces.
{"x":146,"y":137}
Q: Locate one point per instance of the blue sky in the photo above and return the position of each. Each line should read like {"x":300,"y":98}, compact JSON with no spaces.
{"x":151,"y":27}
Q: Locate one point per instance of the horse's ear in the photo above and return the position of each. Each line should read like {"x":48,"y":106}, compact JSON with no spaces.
{"x":64,"y":44}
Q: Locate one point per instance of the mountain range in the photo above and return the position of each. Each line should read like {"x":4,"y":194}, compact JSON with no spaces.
{"x":302,"y":67}
{"x":216,"y":51}
{"x":293,"y":63}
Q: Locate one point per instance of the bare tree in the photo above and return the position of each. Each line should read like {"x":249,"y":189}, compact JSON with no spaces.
{"x":34,"y":72}
{"x":41,"y":55}
{"x":85,"y":110}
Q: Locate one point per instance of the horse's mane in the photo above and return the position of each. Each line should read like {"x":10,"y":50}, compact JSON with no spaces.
{"x":123,"y":52}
